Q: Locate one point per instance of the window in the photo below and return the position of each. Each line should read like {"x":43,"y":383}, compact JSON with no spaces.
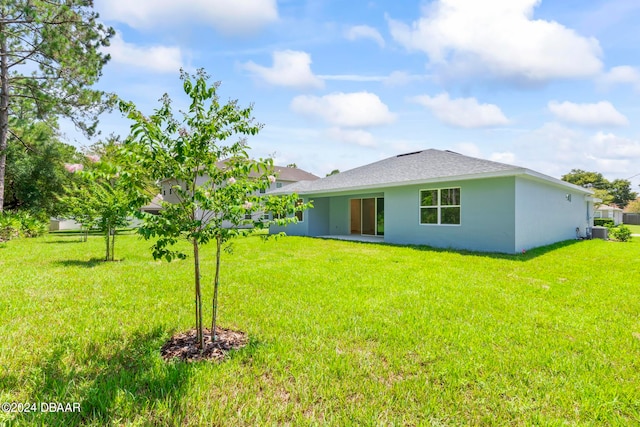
{"x":440,"y":206}
{"x":262,"y":191}
{"x":278,"y":185}
{"x":299,"y":214}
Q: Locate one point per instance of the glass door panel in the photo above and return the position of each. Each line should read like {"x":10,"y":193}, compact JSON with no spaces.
{"x":356,"y":216}
{"x":369,"y":216}
{"x":380,"y":217}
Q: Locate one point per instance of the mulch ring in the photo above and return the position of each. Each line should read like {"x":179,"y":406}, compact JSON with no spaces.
{"x":184,"y":345}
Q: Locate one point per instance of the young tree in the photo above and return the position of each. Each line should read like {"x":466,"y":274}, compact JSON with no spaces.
{"x":50,"y":55}
{"x":215,"y":184}
{"x":105,"y":199}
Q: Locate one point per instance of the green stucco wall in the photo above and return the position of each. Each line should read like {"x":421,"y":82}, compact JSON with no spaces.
{"x":486,"y":216}
{"x":544,"y":215}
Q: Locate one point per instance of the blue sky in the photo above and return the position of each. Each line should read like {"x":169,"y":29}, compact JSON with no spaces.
{"x":549,"y":85}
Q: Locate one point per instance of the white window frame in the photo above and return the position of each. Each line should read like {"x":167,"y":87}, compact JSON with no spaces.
{"x":438,"y":207}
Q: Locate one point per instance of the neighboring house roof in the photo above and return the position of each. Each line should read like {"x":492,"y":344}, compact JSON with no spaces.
{"x":608,"y":208}
{"x":286,"y":173}
{"x":283,"y":173}
{"x":155,"y":203}
{"x":418,"y":167}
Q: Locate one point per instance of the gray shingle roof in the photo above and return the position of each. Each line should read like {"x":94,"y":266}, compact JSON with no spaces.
{"x":420,"y":166}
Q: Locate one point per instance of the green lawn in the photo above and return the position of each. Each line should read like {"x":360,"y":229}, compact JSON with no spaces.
{"x":635,"y":229}
{"x":340,"y":333}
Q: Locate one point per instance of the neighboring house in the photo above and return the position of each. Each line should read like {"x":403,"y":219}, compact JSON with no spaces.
{"x":606,"y":211}
{"x":58,"y":224}
{"x":285,"y":175}
{"x":154,"y":206}
{"x":444,"y":199}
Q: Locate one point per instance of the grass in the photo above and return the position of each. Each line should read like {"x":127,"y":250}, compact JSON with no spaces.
{"x":341,"y":333}
{"x":635,"y":229}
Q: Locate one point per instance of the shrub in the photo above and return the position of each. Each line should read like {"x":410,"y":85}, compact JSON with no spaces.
{"x":621,"y":233}
{"x":9,"y":226}
{"x":31,"y":226}
{"x":606,"y":222}
{"x":14,"y":225}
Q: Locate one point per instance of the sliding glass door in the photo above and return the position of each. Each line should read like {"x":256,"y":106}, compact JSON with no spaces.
{"x":367,"y":216}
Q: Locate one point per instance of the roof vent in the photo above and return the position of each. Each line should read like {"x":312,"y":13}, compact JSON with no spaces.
{"x":452,"y":152}
{"x":408,"y":154}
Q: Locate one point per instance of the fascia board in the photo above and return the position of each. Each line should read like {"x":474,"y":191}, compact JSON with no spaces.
{"x":359,"y":188}
{"x":537,"y":176}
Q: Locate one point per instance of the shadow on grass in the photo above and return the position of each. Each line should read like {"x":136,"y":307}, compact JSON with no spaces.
{"x":65,"y":233}
{"x":118,"y":378}
{"x":57,"y":242}
{"x":526,"y":256}
{"x":82,"y":263}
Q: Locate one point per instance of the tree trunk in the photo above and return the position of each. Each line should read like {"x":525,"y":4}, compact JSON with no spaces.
{"x":216,"y":284}
{"x":196,"y":260}
{"x":106,"y":257}
{"x":4,"y":113}
{"x":113,"y":245}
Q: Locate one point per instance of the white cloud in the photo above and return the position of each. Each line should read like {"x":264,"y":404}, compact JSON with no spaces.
{"x":472,"y":150}
{"x":499,"y":37}
{"x":599,"y":114}
{"x":395,"y":78}
{"x":290,"y":68}
{"x":401,"y":78}
{"x":357,"y":109}
{"x":555,"y":149}
{"x":352,"y":136}
{"x":468,"y":149}
{"x":352,"y":78}
{"x":163,"y":59}
{"x":503,"y":157}
{"x":462,"y":112}
{"x":228,"y":17}
{"x":613,"y":147}
{"x":364,"y":32}
{"x":622,"y":75}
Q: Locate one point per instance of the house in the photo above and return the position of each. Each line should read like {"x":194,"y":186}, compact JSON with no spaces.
{"x":285,"y":175}
{"x":154,"y":205}
{"x":444,"y":199}
{"x":607,"y":211}
{"x":59,"y":224}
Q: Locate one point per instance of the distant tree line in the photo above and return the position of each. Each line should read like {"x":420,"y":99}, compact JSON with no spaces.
{"x":617,"y":191}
